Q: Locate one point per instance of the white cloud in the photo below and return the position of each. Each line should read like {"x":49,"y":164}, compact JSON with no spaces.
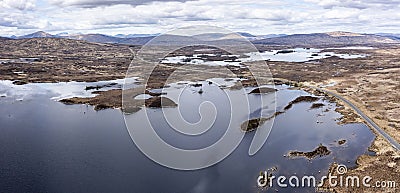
{"x":342,"y":13}
{"x":17,"y":4}
{"x":123,"y":16}
{"x":358,"y":4}
{"x":100,"y":3}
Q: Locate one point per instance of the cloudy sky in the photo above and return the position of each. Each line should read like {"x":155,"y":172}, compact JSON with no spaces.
{"x":19,"y":17}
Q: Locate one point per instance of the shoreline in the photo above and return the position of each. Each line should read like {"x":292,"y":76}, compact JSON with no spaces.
{"x":370,"y":83}
{"x":385,"y":154}
{"x":368,"y":165}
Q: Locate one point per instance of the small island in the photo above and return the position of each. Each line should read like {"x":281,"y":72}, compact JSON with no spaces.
{"x":301,"y":99}
{"x":263,"y":90}
{"x":253,"y":124}
{"x":320,"y":151}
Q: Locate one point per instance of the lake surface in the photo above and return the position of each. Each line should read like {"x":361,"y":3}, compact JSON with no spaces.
{"x":59,"y":90}
{"x":299,"y":55}
{"x":288,"y":55}
{"x":46,"y":146}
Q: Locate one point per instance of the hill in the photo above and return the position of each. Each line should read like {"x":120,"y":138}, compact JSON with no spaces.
{"x":61,"y":59}
{"x":326,"y":39}
{"x":100,"y":38}
{"x":339,"y":38}
{"x":39,"y":34}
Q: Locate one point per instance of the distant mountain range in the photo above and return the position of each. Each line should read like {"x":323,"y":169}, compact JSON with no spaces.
{"x":139,"y":39}
{"x":330,"y":38}
{"x":135,"y":35}
{"x":134,"y":39}
{"x":100,"y":38}
{"x":391,"y":35}
{"x":39,"y":34}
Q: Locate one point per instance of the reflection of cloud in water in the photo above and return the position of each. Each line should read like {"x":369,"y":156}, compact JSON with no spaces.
{"x":206,"y":182}
{"x":57,"y":91}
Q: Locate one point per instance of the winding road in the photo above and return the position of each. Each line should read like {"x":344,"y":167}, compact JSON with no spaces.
{"x":373,"y":125}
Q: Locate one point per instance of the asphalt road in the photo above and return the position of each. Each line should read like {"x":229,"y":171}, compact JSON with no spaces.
{"x":373,"y":125}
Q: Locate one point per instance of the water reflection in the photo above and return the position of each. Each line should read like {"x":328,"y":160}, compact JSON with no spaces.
{"x":50,"y":147}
